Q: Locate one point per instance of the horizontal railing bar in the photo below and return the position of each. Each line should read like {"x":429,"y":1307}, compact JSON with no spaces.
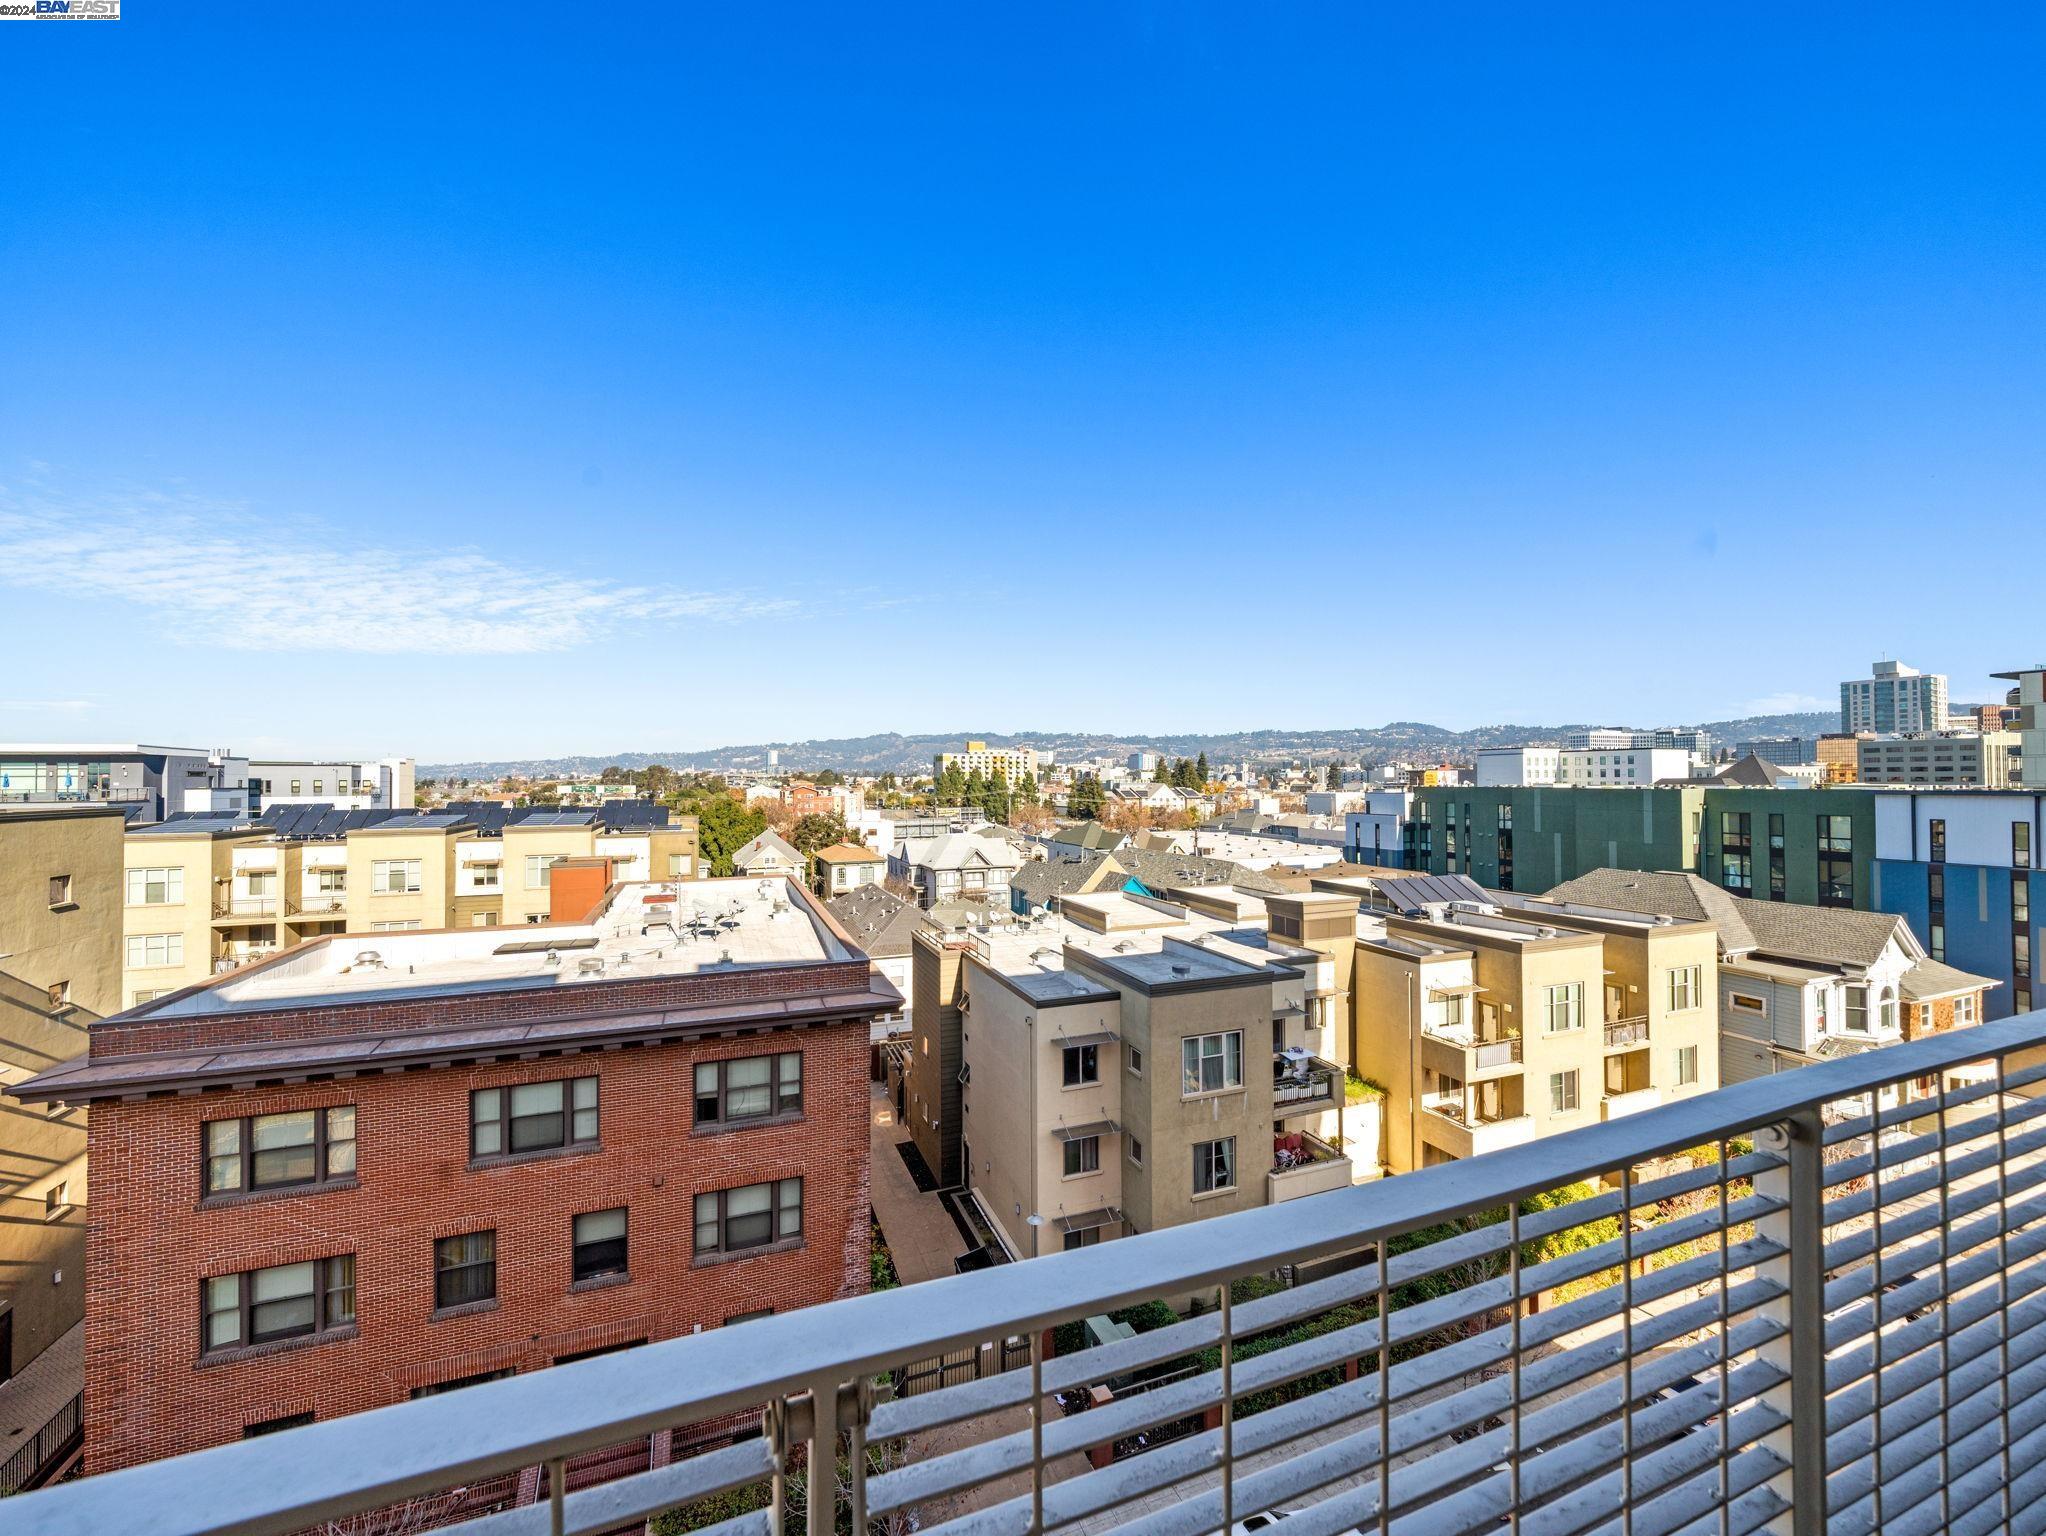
{"x":1751,"y":1503}
{"x":622,"y":1500}
{"x":1849,"y":1303}
{"x":1430,"y":1421}
{"x":2006,"y":1082}
{"x":1559,"y":1426}
{"x":1956,"y":1133}
{"x":1850,"y":1255}
{"x":1077,"y":1497}
{"x":968,"y":1399}
{"x":281,"y":1484}
{"x":1977,"y":1447}
{"x":1672,"y":1471}
{"x":1546,"y":1477}
{"x":952,"y":1471}
{"x":1907,"y":1412}
{"x":1901,"y":1186}
{"x":1853,"y":1394}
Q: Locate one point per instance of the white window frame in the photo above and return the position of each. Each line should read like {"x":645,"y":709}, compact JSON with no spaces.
{"x":1205,"y":1157}
{"x":1684,"y":988}
{"x":539,"y":870}
{"x":1685,"y":1061}
{"x":1198,"y":1044}
{"x":1564,"y":1085}
{"x":1570,"y":994}
{"x":169,"y":948}
{"x":171,"y":877}
{"x":382,"y":870}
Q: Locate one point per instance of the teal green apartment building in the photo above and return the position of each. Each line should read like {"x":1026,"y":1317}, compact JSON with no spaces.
{"x":1814,"y":846}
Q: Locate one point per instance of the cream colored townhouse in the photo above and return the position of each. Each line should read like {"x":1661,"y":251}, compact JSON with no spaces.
{"x":206,"y":894}
{"x":1490,"y":1022}
{"x":1126,"y":1063}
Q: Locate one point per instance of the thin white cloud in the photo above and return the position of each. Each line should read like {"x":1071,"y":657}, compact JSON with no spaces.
{"x":228,"y":580}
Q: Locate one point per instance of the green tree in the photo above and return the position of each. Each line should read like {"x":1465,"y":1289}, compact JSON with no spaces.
{"x":1162,"y":774}
{"x":1201,"y":769}
{"x":1183,"y":774}
{"x":1026,"y":791}
{"x":950,"y":787}
{"x":819,"y":830}
{"x":1085,"y":799}
{"x":723,"y":827}
{"x":975,"y":793}
{"x":614,"y":775}
{"x":997,"y":802}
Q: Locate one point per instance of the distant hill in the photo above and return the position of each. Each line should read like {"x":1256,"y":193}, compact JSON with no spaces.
{"x":892,"y":753}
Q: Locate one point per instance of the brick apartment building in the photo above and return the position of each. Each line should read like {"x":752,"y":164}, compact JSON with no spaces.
{"x":381,"y":1166}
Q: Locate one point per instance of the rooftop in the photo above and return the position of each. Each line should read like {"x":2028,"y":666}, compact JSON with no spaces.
{"x":634,"y":972}
{"x":849,"y":853}
{"x":647,"y":929}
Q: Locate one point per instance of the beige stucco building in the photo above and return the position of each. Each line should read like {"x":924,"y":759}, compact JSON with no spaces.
{"x":203,"y":896}
{"x":1128,"y":1064}
{"x":60,"y":969}
{"x":1491,"y":1020}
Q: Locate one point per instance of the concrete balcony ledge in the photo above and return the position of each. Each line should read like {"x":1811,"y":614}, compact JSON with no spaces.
{"x":1615,"y":1105}
{"x":1448,"y":1128}
{"x":1467,"y":1057}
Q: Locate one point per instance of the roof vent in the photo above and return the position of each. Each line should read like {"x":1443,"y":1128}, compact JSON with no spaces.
{"x":1179,"y":969}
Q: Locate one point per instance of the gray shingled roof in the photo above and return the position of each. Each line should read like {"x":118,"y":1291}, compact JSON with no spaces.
{"x":1042,"y":879}
{"x":766,"y":841}
{"x":1162,"y":871}
{"x":1833,"y":935}
{"x":1933,"y":978}
{"x":879,"y":921}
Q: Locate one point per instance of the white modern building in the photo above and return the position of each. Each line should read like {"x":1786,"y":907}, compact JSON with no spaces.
{"x":1519,"y":765}
{"x":1984,"y":761}
{"x":373,"y":785}
{"x":2031,"y":723}
{"x":1377,"y":834}
{"x":1610,"y":738}
{"x":1624,"y":768}
{"x":149,"y":782}
{"x":1897,"y":699}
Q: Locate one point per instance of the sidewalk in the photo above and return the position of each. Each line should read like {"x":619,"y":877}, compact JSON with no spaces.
{"x":921,"y":1232}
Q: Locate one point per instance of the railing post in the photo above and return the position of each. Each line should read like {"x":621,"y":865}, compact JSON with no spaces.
{"x":823,"y":1458}
{"x":1801,"y":1229}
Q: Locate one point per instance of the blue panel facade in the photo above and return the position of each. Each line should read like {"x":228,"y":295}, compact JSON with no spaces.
{"x":1978,"y":920}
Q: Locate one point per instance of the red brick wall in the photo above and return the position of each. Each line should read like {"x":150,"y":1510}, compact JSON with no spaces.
{"x":147,"y":1396}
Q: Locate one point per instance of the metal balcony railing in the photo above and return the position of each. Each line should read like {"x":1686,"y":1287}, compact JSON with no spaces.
{"x":1622,"y":1032}
{"x":1805,"y":1303}
{"x":1306,"y":1083}
{"x":255,"y":908}
{"x":1501,"y":1051}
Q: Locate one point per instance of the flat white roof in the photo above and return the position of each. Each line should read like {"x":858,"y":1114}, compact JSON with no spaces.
{"x":648,"y":929}
{"x":100,"y":749}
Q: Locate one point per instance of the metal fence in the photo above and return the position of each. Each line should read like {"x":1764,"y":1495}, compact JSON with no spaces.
{"x":35,"y":1457}
{"x":1812,"y":1302}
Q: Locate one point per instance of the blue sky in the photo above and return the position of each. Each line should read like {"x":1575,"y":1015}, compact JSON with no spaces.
{"x":660,"y":376}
